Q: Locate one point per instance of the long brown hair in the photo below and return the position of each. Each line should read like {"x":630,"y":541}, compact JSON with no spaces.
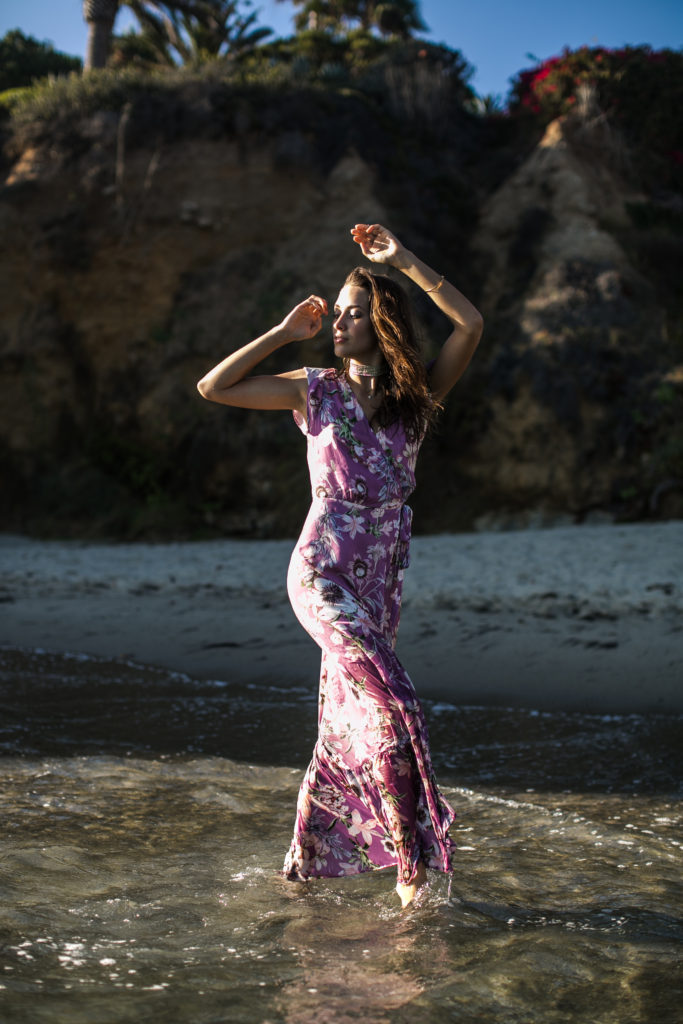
{"x":406,"y":389}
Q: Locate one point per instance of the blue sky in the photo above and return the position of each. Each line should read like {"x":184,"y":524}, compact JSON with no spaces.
{"x":494,"y":35}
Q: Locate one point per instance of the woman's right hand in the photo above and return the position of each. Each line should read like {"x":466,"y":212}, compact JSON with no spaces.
{"x":305,"y":320}
{"x":229,"y":384}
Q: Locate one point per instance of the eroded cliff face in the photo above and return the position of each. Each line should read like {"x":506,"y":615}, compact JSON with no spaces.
{"x":119,"y":294}
{"x":127,"y":274}
{"x":579,"y":346}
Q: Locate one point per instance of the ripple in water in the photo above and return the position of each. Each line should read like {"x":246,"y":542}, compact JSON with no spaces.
{"x":146,"y":817}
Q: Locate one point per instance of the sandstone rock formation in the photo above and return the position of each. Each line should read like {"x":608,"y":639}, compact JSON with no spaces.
{"x":576,"y":340}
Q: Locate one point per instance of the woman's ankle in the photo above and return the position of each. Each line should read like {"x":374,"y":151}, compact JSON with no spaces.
{"x":407,"y":891}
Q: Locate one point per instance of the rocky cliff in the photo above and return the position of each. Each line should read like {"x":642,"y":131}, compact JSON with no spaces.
{"x":584,"y":377}
{"x":135,"y":256}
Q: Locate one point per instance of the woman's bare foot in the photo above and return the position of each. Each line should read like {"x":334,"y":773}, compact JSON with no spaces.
{"x":407,"y":893}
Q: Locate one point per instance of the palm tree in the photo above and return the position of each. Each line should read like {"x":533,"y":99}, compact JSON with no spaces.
{"x":197,"y":30}
{"x":325,"y":14}
{"x":100,"y":16}
{"x":397,"y":18}
{"x":389,"y":17}
{"x":194,"y":29}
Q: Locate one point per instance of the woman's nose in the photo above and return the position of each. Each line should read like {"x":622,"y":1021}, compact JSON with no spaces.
{"x":338,"y":322}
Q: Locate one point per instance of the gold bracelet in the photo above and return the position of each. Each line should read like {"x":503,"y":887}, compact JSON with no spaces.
{"x":436,"y":287}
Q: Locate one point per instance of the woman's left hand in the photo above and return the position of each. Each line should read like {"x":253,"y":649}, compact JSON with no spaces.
{"x":378,"y":244}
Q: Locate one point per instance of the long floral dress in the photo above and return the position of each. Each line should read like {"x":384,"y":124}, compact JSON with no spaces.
{"x":369,"y":797}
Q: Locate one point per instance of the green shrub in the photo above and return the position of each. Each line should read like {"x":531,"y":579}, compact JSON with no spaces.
{"x":23,"y":60}
{"x":57,"y":100}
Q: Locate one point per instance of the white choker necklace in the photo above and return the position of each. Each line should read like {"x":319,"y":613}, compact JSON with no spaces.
{"x":362,"y":370}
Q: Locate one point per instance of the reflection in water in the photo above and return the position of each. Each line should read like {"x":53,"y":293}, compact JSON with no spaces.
{"x":140,"y":864}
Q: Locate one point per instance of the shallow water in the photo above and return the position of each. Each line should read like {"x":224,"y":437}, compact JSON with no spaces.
{"x":146,"y":816}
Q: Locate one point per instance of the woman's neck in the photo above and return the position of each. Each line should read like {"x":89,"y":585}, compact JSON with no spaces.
{"x":366,"y":378}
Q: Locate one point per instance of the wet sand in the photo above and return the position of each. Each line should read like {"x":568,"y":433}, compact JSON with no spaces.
{"x":577,"y":618}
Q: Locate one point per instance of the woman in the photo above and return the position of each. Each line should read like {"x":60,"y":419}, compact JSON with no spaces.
{"x":369,"y":798}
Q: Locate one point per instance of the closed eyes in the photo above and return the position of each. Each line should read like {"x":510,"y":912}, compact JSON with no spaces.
{"x":355,"y":314}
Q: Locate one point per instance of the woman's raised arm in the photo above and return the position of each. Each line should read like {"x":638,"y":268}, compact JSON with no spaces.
{"x":380,"y":246}
{"x":228,"y":383}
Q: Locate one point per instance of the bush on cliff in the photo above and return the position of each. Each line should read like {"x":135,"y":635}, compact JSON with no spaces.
{"x":637,"y":89}
{"x":23,"y":60}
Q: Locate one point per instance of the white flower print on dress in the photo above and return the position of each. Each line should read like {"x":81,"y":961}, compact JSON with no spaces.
{"x":359,"y":827}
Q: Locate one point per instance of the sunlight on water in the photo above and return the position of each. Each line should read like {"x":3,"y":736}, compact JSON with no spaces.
{"x":140,"y":882}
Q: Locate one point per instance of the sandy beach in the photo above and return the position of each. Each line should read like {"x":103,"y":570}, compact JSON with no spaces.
{"x":583,"y":618}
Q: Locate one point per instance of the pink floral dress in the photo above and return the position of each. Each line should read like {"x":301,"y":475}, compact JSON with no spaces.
{"x":369,"y":797}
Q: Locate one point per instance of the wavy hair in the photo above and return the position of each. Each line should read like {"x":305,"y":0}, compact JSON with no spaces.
{"x":406,"y":388}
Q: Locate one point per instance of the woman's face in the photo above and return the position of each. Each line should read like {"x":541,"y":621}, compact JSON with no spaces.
{"x":353,"y":335}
